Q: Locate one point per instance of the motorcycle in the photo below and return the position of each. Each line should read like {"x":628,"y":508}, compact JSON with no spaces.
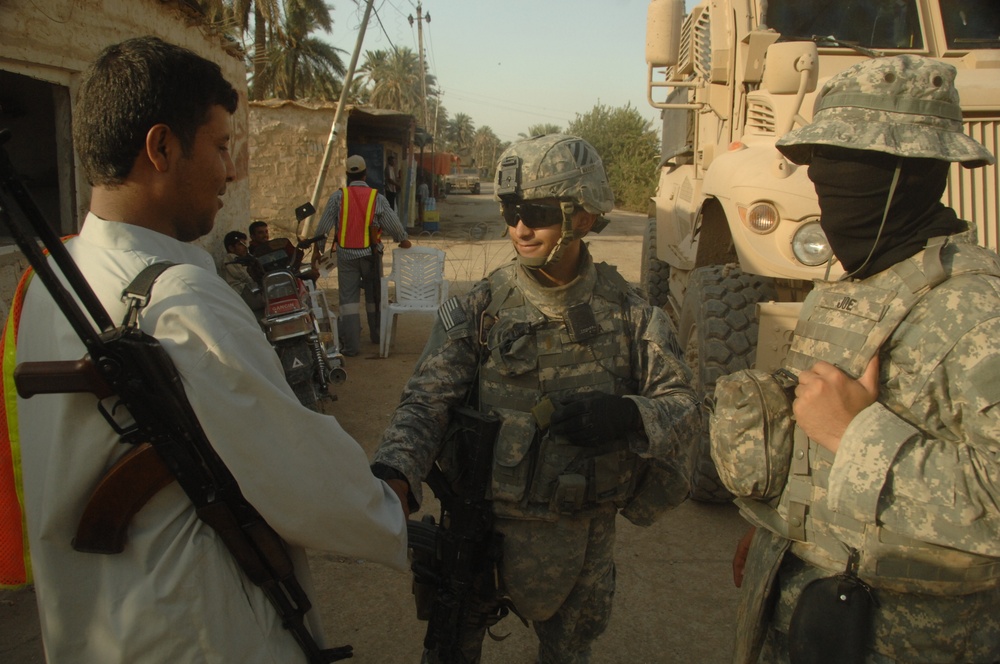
{"x":297,"y":321}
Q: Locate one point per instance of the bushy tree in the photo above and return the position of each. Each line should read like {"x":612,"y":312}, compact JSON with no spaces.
{"x":629,"y":148}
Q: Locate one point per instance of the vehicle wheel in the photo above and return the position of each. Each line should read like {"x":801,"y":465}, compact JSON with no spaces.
{"x":719,"y":335}
{"x":305,"y":391}
{"x":655,"y":275}
{"x":475,"y":189}
{"x":297,"y":361}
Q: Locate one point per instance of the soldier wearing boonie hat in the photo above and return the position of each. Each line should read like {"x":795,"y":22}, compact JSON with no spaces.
{"x":894,"y":504}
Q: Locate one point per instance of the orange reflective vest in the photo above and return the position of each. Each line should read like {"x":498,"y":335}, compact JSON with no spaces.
{"x":357,"y":209}
{"x":15,"y":563}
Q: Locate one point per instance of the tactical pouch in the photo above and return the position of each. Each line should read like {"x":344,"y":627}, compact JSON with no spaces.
{"x":751,"y":432}
{"x":832,"y":622}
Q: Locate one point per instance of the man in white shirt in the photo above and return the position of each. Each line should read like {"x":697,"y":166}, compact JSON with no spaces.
{"x":152,"y":130}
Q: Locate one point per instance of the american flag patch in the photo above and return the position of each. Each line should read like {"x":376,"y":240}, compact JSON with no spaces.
{"x":452,"y":314}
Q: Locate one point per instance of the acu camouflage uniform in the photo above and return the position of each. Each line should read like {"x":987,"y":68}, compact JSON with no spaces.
{"x":915,"y":485}
{"x":506,"y":348}
{"x":558,"y":544}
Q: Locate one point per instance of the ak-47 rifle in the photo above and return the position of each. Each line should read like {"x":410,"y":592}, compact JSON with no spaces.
{"x":457,"y":560}
{"x":168,"y":441}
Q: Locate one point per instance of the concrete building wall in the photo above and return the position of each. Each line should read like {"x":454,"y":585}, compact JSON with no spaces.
{"x":287,"y":142}
{"x":55,"y":40}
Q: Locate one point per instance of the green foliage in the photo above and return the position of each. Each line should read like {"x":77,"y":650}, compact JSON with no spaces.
{"x":629,"y":148}
{"x":541,"y":130}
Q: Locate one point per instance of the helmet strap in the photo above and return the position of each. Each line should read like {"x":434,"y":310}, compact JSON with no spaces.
{"x":568,"y":235}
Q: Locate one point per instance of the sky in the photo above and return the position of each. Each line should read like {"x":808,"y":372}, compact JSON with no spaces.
{"x":511,"y":64}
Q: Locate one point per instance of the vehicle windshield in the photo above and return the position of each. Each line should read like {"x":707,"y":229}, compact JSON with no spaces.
{"x":970,"y":24}
{"x":876,"y":24}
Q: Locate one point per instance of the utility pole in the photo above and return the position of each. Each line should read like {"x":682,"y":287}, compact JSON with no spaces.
{"x":335,"y":125}
{"x":423,"y":85}
{"x":420,"y":55}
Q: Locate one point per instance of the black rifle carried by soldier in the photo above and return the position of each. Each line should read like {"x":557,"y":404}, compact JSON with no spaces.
{"x":167,"y":441}
{"x":456,"y":561}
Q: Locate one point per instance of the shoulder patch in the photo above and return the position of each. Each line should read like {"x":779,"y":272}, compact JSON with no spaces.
{"x":452,"y":314}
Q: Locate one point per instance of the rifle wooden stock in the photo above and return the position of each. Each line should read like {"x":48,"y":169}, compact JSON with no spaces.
{"x":60,"y":376}
{"x":121,"y":493}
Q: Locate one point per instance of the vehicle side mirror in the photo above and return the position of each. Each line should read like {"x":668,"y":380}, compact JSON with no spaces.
{"x":664,"y":20}
{"x":784,"y":65}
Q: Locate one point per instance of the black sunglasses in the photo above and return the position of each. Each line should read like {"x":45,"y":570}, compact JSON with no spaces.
{"x":533,"y":216}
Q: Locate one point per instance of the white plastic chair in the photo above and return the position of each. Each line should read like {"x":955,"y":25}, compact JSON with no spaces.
{"x":418,"y":275}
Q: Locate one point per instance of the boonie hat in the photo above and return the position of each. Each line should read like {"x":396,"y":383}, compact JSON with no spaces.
{"x":904,"y":105}
{"x":356,"y":164}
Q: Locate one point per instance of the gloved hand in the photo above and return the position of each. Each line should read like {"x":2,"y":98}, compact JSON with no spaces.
{"x":595,"y":419}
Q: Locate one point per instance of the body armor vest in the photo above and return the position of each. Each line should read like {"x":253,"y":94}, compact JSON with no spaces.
{"x":539,"y":351}
{"x":845,"y":323}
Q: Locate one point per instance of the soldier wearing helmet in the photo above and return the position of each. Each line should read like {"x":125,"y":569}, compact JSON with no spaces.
{"x":596,"y":409}
{"x":884,"y":545}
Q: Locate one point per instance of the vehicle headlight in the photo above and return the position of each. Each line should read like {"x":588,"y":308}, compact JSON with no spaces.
{"x":760,"y":217}
{"x":810,"y":246}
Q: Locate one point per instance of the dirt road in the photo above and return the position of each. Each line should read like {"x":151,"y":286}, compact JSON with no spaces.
{"x":675,"y":597}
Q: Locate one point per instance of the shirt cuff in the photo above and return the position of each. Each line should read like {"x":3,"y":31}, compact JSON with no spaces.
{"x":861,"y":467}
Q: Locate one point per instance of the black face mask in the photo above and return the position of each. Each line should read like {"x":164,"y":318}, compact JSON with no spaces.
{"x":853,"y":187}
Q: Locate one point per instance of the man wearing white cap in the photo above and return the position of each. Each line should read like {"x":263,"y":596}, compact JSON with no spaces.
{"x":357,"y":215}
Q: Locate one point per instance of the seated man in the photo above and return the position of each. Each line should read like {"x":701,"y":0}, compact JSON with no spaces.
{"x":261,"y":245}
{"x":237,"y":274}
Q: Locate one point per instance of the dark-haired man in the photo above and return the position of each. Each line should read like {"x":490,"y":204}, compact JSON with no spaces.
{"x":152,"y":129}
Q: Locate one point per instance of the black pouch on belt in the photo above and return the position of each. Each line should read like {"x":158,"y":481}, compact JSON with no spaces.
{"x":832,"y":621}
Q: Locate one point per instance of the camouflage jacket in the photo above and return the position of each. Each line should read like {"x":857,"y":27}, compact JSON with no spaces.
{"x":447,"y":372}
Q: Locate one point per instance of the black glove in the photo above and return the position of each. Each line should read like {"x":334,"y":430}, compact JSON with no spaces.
{"x":595,"y":420}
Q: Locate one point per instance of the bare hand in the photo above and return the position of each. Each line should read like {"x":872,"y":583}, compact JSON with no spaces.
{"x":402,"y":490}
{"x":740,"y":557}
{"x":827,"y":399}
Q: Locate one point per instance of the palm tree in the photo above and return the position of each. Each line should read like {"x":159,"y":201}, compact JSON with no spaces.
{"x":395,"y":80}
{"x":541,"y":130}
{"x":266,"y":15}
{"x":460,"y":132}
{"x":297,"y":64}
{"x":486,"y":149}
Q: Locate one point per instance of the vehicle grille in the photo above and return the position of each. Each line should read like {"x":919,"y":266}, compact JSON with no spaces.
{"x":972,"y":193}
{"x":695,"y":56}
{"x":760,"y":118}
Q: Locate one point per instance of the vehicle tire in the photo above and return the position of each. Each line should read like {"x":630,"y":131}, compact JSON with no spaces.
{"x":305,"y":391}
{"x":655,"y":275}
{"x":297,"y":362}
{"x":475,"y":188}
{"x":719,"y":335}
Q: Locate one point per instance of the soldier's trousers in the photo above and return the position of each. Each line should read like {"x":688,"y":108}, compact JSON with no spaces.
{"x":561,"y":577}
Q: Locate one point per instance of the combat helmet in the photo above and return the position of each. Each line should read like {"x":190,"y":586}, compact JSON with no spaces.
{"x":555,"y":166}
{"x":904,"y":105}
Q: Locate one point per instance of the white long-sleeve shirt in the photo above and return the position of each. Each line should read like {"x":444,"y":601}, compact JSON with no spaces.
{"x":176,"y":594}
